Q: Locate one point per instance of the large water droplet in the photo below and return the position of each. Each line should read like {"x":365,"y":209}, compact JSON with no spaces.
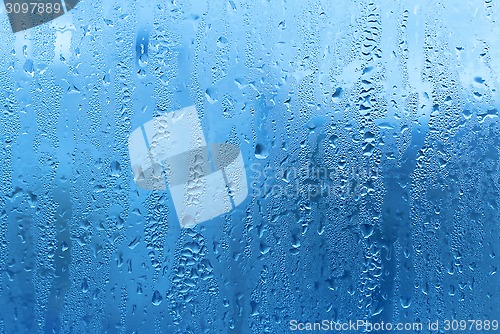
{"x":261,"y":151}
{"x":157,"y":298}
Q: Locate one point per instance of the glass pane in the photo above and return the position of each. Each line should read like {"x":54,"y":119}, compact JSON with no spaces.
{"x":249,"y":166}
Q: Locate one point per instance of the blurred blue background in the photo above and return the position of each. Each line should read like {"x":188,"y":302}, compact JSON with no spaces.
{"x":369,"y":130}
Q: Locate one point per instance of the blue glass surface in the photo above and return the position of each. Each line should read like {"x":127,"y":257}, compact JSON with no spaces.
{"x":370,"y":136}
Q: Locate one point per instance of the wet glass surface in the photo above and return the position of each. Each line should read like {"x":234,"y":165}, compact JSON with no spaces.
{"x":357,"y":179}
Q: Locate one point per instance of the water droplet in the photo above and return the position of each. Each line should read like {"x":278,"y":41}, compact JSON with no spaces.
{"x":211,"y":95}
{"x":157,"y":298}
{"x":261,"y":151}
